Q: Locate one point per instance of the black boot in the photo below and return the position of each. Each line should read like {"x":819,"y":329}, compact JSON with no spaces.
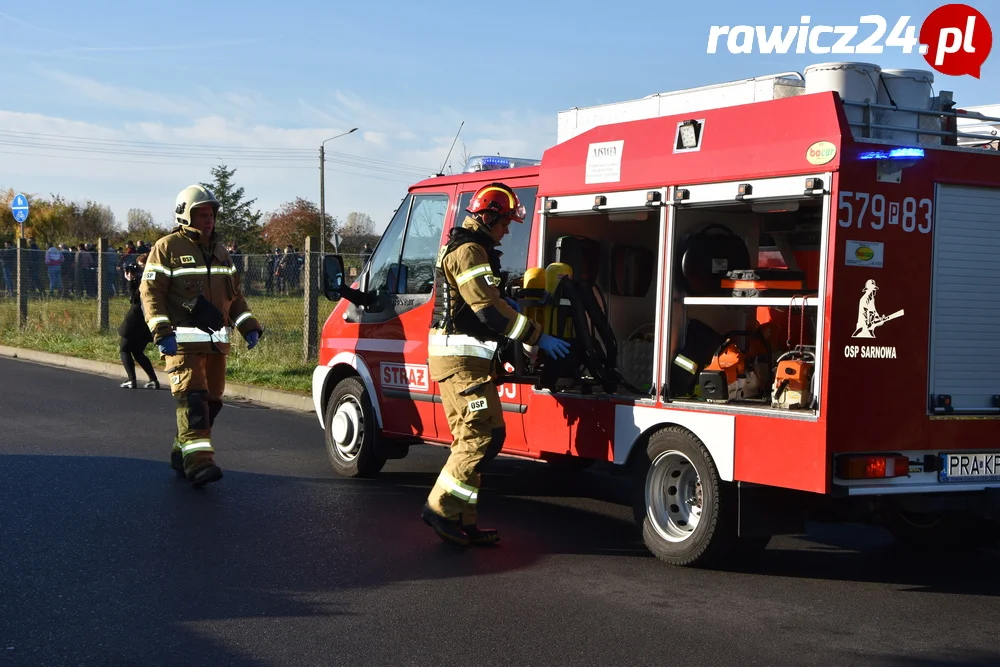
{"x":200,"y":469}
{"x":177,"y":461}
{"x":481,"y":537}
{"x":205,"y":474}
{"x":447,"y":529}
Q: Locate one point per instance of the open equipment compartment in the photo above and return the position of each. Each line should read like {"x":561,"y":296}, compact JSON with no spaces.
{"x":746,"y":278}
{"x":610,"y":249}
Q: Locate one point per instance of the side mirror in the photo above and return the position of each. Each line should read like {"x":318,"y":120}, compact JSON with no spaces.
{"x":333,"y":276}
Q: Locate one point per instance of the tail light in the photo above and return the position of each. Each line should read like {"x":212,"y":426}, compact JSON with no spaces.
{"x":872,"y":467}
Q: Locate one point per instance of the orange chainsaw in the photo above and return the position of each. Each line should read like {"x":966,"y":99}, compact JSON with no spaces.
{"x":737,"y":372}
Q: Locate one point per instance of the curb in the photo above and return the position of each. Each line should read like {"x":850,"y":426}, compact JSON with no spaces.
{"x":272,"y":397}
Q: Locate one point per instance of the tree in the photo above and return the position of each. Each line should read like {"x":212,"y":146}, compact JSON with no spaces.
{"x":51,"y":221}
{"x":238,"y":221}
{"x":293,"y":222}
{"x":358,"y":230}
{"x":8,"y":226}
{"x":91,"y":222}
{"x":357,"y":224}
{"x":142,"y":226}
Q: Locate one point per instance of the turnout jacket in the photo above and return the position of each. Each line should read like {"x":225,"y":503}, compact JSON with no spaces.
{"x":470,"y":315}
{"x":178,"y":270}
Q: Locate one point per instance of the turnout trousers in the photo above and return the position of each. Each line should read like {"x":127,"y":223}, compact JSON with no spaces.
{"x":472,"y":406}
{"x":197,"y":382}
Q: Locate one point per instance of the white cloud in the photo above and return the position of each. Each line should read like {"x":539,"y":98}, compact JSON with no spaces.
{"x":116,"y":96}
{"x":277,"y":161}
{"x":377,"y":138}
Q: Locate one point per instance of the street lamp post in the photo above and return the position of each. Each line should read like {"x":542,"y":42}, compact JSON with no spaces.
{"x":322,"y":193}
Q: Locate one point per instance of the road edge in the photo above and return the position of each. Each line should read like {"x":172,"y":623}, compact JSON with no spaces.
{"x":271,"y":397}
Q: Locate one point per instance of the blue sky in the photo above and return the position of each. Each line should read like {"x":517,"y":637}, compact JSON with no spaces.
{"x":207,"y":82}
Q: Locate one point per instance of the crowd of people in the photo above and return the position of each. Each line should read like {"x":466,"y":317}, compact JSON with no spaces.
{"x":66,"y":270}
{"x":70,"y":271}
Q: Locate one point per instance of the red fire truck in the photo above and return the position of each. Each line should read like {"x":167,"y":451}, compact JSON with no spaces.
{"x":783,"y":298}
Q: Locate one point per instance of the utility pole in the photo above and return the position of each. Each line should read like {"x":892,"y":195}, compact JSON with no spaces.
{"x":322,"y":201}
{"x":322,"y":193}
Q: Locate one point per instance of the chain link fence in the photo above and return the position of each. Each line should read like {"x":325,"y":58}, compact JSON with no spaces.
{"x":72,"y":301}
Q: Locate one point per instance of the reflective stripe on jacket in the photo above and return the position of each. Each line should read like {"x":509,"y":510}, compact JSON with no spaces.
{"x":467,"y":271}
{"x":178,"y":270}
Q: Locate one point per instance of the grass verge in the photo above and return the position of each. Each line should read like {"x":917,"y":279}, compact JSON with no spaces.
{"x":69,"y":327}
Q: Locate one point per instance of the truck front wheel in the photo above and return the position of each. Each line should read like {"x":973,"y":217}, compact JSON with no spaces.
{"x":351,"y":430}
{"x":686,"y":512}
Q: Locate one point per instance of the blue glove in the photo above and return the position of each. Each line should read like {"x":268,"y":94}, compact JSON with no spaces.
{"x":554,"y":347}
{"x":513,"y":304}
{"x":168,"y":345}
{"x":252,"y":339}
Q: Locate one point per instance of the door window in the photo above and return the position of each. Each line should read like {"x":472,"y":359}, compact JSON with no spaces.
{"x":382,"y":266}
{"x":515,"y":245}
{"x":422,"y":242}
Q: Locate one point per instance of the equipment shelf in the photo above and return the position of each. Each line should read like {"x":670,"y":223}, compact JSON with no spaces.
{"x":750,"y":301}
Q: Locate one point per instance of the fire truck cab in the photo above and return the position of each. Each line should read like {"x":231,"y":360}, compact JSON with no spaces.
{"x":781,"y":297}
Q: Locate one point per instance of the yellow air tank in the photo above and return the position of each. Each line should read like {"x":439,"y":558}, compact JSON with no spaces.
{"x":534,"y":278}
{"x":555,"y":272}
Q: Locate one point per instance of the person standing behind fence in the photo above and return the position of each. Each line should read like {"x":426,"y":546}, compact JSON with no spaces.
{"x":8,"y":264}
{"x":53,"y":261}
{"x":35,"y":258}
{"x":135,"y":335}
{"x":69,"y":261}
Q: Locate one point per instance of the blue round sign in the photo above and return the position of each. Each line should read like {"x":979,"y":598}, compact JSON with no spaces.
{"x":19,"y":207}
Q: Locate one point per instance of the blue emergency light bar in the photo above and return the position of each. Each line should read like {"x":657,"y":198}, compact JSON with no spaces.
{"x":893,"y":154}
{"x":491,"y":162}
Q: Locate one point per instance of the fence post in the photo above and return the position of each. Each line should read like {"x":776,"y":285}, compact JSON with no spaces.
{"x":103,"y":287}
{"x":310,"y":292}
{"x":21,"y":281}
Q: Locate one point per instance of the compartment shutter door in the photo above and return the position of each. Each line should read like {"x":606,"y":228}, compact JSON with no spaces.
{"x":965,"y":315}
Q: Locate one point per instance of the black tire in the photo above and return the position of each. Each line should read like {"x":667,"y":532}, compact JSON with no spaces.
{"x":354,"y":455}
{"x":687,"y":514}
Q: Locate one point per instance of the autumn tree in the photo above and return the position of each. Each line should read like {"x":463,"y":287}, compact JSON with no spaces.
{"x":238,"y":221}
{"x":8,"y":226}
{"x":52,"y":220}
{"x":293,"y":222}
{"x":90,"y":222}
{"x":357,"y":230}
{"x":357,"y":224}
{"x":142,"y":226}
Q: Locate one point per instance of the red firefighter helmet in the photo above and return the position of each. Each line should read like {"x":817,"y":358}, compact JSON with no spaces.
{"x":499,"y":199}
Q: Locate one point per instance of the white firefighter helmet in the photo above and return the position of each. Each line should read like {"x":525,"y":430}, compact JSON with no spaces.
{"x":191,"y":196}
{"x":870,"y":286}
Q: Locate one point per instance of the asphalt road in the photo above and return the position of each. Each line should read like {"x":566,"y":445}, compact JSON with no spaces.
{"x":107,"y":559}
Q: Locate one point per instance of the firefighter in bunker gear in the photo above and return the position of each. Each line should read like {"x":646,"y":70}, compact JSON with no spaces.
{"x":192,"y":299}
{"x":471,"y":319}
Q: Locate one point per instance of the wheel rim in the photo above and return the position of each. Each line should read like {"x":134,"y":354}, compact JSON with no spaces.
{"x":674,"y":496}
{"x":347,"y":429}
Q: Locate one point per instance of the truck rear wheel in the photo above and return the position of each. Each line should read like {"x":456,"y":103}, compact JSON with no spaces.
{"x":351,"y":430}
{"x":686,"y":512}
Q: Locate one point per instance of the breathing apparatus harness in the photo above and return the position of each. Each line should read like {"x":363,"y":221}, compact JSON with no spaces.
{"x":451,"y":314}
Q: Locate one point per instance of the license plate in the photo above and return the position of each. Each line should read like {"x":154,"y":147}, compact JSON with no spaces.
{"x":970,"y":467}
